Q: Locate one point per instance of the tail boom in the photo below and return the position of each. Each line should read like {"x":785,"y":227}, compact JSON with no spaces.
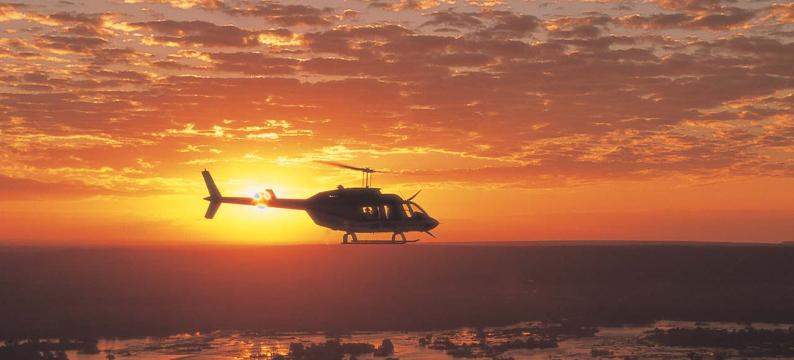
{"x":216,"y":199}
{"x":295,"y":204}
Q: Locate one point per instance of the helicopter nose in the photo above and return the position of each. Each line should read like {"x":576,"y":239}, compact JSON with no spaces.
{"x":431,"y":223}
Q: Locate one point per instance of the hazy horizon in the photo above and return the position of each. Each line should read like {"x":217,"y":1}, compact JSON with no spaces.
{"x":155,"y":244}
{"x":76,"y":292}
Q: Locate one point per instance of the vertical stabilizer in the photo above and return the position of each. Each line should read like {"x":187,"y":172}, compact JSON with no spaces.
{"x":214,"y":193}
{"x":215,"y":197}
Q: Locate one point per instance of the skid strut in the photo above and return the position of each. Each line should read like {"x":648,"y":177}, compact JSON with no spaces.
{"x":396,"y":238}
{"x":349,"y":236}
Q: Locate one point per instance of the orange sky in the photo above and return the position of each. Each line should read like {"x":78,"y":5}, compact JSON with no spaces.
{"x":520,"y":120}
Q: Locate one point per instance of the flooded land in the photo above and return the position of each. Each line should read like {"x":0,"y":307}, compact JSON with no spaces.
{"x":659,"y":340}
{"x":438,"y":301}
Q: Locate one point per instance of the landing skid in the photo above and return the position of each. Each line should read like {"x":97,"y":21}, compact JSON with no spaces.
{"x":396,"y":238}
{"x":379,"y":242}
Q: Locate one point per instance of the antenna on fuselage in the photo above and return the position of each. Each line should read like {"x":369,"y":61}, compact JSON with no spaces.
{"x":366,"y":173}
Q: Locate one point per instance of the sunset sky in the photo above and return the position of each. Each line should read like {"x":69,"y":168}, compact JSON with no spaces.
{"x":519,"y":120}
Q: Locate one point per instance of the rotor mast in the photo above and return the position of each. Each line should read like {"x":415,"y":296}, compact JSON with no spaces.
{"x":366,"y":177}
{"x":366,"y":173}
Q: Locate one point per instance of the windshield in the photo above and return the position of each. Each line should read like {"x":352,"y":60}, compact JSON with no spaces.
{"x":416,"y":210}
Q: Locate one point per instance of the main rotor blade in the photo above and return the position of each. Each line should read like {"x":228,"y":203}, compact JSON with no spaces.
{"x":345,"y":166}
{"x":413,"y":196}
{"x":431,"y":234}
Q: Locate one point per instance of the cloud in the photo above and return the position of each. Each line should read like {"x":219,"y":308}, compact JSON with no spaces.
{"x":28,"y":189}
{"x":692,"y":5}
{"x":401,"y":5}
{"x":485,"y":3}
{"x":450,"y":18}
{"x":285,"y":15}
{"x":92,"y":25}
{"x":572,"y":97}
{"x":251,"y":130}
{"x":11,"y":12}
{"x":590,"y":26}
{"x":253,"y":63}
{"x":715,"y":15}
{"x":723,"y":19}
{"x":202,"y":33}
{"x":509,"y":25}
{"x":182,"y":4}
{"x":118,"y":56}
{"x":781,"y":13}
{"x":346,"y":39}
{"x":22,"y":136}
{"x":726,"y":18}
{"x":75,"y":44}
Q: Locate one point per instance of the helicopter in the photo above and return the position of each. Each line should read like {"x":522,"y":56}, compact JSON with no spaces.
{"x":352,"y":210}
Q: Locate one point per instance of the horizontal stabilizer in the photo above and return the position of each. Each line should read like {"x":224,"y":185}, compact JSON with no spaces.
{"x":212,"y":209}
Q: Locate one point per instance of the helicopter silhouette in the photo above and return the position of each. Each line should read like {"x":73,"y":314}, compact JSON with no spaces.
{"x":352,"y":210}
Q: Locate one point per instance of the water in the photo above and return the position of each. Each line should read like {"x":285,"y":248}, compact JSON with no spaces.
{"x":609,"y":342}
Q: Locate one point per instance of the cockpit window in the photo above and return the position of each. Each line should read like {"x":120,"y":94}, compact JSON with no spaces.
{"x":417,"y":210}
{"x":407,"y":210}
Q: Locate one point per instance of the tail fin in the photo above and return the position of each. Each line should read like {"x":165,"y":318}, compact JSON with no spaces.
{"x":214,"y":193}
{"x":212,"y":209}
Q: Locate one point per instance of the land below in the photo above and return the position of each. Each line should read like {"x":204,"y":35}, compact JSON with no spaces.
{"x":134,"y":292}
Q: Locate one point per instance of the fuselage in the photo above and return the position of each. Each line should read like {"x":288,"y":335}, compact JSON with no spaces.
{"x":346,"y":209}
{"x":360,"y":210}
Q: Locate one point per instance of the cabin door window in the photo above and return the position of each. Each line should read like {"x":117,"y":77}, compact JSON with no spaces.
{"x":370,"y":212}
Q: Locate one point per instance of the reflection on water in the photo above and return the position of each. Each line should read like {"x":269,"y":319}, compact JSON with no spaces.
{"x":613,"y":342}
